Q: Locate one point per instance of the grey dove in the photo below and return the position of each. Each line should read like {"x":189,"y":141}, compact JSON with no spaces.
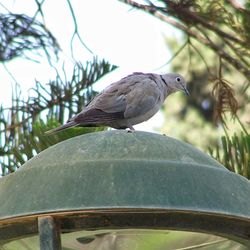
{"x":129,"y":101}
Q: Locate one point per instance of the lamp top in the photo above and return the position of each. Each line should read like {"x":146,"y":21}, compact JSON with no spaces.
{"x":115,"y":170}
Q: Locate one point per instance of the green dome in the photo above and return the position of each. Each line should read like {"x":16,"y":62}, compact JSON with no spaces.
{"x":122,"y":170}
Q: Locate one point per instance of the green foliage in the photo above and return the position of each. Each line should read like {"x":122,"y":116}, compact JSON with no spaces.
{"x":215,"y":27}
{"x":22,"y":126}
{"x":215,"y":59}
{"x":246,"y":20}
{"x":234,"y":153}
{"x":197,"y":118}
{"x":21,"y":33}
{"x":31,"y":143}
{"x":219,"y":25}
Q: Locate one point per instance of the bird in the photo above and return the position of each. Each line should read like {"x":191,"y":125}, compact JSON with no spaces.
{"x":127,"y":102}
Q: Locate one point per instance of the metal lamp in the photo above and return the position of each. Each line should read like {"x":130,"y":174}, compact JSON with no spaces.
{"x":91,"y":186}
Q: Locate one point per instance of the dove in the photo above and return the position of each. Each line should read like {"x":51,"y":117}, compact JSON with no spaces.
{"x":127,"y":102}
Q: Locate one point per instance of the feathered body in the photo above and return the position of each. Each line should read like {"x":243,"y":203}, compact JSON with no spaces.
{"x":132,"y":100}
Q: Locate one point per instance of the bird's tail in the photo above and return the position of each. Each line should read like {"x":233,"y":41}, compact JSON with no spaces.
{"x":69,"y":124}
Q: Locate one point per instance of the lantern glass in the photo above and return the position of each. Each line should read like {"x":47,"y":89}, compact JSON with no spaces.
{"x":133,"y":239}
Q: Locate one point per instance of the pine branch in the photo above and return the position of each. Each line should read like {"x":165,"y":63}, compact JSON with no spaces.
{"x":76,"y":32}
{"x":22,"y":126}
{"x":20,"y":33}
{"x":191,"y":18}
{"x":234,"y":153}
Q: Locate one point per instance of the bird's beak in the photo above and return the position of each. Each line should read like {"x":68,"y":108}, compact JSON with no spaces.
{"x":185,"y":90}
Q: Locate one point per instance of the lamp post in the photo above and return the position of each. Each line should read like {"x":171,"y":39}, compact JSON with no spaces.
{"x":104,"y":182}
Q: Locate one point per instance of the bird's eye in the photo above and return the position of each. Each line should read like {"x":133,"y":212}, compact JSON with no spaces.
{"x":178,"y":79}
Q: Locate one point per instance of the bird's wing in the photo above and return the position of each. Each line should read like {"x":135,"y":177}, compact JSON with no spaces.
{"x":144,"y":97}
{"x":111,"y":100}
{"x":108,"y":106}
{"x":130,"y":97}
{"x":96,"y":117}
{"x":133,"y":95}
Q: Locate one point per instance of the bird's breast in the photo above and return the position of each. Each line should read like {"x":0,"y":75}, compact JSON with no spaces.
{"x":144,"y":117}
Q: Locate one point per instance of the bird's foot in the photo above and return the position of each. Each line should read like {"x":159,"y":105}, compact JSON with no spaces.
{"x":131,"y":129}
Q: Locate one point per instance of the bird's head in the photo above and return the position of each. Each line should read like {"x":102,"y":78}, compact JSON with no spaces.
{"x":174,"y":82}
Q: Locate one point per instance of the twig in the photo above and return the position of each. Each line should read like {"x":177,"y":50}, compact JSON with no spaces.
{"x":241,"y":124}
{"x":236,"y":5}
{"x":201,"y":56}
{"x":174,"y":55}
{"x":9,"y":73}
{"x":185,"y":14}
{"x":39,"y":9}
{"x":76,"y":32}
{"x":235,"y":63}
{"x":236,"y":52}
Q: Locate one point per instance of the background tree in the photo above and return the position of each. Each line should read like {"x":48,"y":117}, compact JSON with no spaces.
{"x":213,"y":54}
{"x":22,"y":126}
